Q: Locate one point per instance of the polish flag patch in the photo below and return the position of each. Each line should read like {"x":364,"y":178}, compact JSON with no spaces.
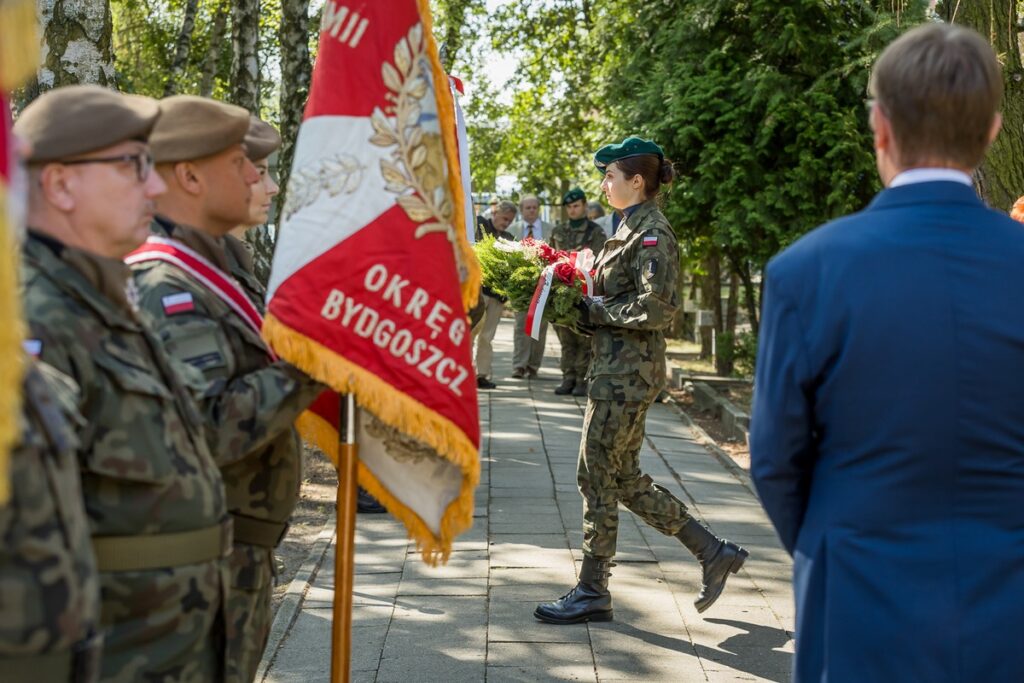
{"x":178,"y":303}
{"x":650,"y":240}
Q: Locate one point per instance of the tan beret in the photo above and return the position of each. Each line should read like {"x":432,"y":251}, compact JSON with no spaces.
{"x":193,"y":127}
{"x":262,"y":140}
{"x":75,"y":119}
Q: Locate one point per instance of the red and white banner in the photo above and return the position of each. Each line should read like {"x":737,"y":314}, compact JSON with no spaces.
{"x":372,"y":271}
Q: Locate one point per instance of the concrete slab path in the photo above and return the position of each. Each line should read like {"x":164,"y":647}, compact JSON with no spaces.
{"x":472,"y":619}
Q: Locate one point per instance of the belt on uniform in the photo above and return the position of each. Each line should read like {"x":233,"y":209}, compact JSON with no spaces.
{"x":261,"y":532}
{"x":81,"y":664}
{"x":159,"y":551}
{"x":53,"y":666}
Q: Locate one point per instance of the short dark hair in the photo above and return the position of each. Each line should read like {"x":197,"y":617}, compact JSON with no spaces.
{"x":940,"y":87}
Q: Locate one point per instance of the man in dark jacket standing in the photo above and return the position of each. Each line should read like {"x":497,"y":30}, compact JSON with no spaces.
{"x":887,"y":440}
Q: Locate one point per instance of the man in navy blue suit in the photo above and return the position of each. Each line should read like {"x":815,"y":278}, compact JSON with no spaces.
{"x":887,"y":440}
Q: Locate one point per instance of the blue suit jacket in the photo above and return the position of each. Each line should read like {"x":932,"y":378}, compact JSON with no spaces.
{"x":887,"y":438}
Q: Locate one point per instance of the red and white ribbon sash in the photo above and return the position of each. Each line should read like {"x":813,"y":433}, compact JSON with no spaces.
{"x":203,"y":271}
{"x":535,"y":314}
{"x":582,"y":262}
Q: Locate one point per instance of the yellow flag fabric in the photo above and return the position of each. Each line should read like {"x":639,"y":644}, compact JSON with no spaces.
{"x":19,"y":57}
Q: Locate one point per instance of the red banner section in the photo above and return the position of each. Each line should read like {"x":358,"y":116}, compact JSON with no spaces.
{"x":389,"y":303}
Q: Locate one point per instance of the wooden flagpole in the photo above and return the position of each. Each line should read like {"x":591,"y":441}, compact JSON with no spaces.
{"x":345,"y":551}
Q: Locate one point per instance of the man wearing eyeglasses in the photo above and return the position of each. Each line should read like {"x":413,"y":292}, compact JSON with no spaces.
{"x":153,"y":494}
{"x":207,"y":319}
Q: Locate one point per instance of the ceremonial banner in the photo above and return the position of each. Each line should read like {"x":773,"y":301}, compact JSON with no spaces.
{"x":372,"y":272}
{"x":19,"y":56}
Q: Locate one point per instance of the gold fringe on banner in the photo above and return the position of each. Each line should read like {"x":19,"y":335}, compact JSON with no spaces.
{"x":446,"y":116}
{"x":397,"y":409}
{"x":11,"y":335}
{"x":19,"y":42}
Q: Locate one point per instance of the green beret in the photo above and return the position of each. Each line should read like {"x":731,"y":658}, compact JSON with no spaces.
{"x":262,"y":140}
{"x":573,"y":195}
{"x":75,"y":119}
{"x":193,"y":127}
{"x":630,"y":147}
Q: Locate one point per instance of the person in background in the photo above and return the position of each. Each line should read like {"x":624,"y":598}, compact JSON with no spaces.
{"x":527,"y":352}
{"x":596,"y":213}
{"x":492,"y":304}
{"x":576,"y":234}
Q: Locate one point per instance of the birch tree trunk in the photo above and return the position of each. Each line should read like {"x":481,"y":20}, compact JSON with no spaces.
{"x":182,"y":46}
{"x":76,"y":46}
{"x":245,"y":70}
{"x":296,"y":72}
{"x":212,"y":59}
{"x":1001,"y":177}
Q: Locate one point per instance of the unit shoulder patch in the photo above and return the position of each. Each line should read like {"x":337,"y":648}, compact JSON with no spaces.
{"x":650,"y":239}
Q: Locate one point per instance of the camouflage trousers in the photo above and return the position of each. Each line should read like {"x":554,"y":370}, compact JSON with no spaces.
{"x":248,"y":610}
{"x":609,"y":473}
{"x":575,"y":360}
{"x":164,"y":624}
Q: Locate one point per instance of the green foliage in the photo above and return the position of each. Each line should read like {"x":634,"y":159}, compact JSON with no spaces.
{"x":145,"y":32}
{"x":546,"y":135}
{"x":760,"y":104}
{"x":744,"y":354}
{"x":144,"y":35}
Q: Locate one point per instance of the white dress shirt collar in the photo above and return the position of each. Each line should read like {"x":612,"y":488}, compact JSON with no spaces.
{"x":928,"y":175}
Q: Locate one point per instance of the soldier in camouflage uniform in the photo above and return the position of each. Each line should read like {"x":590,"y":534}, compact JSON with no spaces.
{"x":49,"y":588}
{"x":153,"y":494}
{"x":208,"y":140}
{"x":635,"y":289}
{"x":576,"y":234}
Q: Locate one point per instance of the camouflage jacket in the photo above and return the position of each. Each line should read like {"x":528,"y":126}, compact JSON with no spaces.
{"x":145,"y":467}
{"x":636,"y":273}
{"x":253,"y":401}
{"x":568,"y":238}
{"x":49,"y":589}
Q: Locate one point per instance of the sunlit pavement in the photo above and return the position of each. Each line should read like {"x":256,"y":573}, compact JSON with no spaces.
{"x":472,"y":619}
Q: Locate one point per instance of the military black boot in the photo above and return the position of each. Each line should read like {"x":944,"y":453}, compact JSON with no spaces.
{"x":588,"y":601}
{"x":565,"y":387}
{"x":718,"y":558}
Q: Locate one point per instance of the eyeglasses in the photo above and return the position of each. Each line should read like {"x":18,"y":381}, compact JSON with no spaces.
{"x":143,"y":162}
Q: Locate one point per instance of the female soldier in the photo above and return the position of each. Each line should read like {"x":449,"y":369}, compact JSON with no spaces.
{"x":635,"y":283}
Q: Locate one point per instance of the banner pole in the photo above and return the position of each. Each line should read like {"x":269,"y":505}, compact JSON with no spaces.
{"x":344,"y":552}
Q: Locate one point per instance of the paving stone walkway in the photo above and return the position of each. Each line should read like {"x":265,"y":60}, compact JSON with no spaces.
{"x":472,"y":619}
